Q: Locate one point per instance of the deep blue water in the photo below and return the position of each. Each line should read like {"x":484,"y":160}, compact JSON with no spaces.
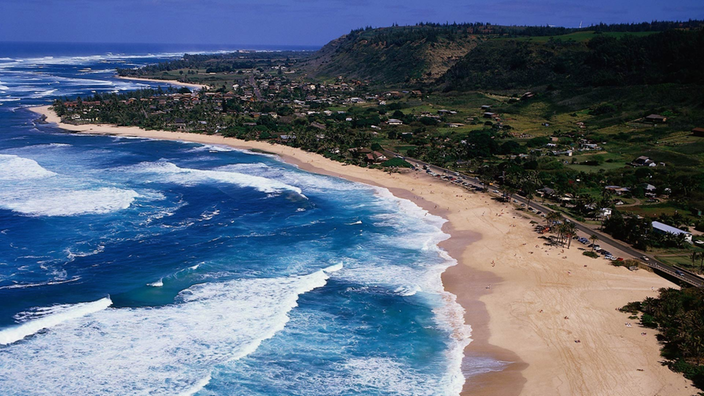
{"x":134,"y":266}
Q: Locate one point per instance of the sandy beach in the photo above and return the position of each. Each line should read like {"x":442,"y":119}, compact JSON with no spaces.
{"x":169,"y":82}
{"x":550,"y":314}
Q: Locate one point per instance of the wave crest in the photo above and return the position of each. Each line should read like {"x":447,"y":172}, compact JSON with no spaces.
{"x":212,"y":323}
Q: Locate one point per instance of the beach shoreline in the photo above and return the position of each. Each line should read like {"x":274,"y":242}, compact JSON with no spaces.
{"x":547,"y":313}
{"x":169,"y":82}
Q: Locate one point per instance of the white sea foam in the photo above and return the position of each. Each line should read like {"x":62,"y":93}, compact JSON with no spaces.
{"x":185,"y":176}
{"x":448,"y":313}
{"x":13,"y":167}
{"x":211,"y":148}
{"x":67,"y":203}
{"x":72,"y":255}
{"x":304,"y":180}
{"x":386,"y":374}
{"x":49,"y":283}
{"x":104,"y":352}
{"x":56,"y":316}
{"x":158,"y":283}
{"x":43,"y":94}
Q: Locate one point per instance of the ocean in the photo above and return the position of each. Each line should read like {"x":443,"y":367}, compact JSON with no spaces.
{"x":145,"y":267}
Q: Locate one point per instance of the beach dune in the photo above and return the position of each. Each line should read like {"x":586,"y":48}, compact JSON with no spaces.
{"x":548,"y":313}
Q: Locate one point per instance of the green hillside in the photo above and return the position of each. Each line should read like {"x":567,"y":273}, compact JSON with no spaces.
{"x":397,"y":54}
{"x":613,"y":59}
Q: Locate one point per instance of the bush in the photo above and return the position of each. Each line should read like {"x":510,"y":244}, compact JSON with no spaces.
{"x":591,"y":254}
{"x":396,"y":162}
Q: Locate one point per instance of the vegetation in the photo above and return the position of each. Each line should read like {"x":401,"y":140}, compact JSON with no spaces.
{"x":678,"y":315}
{"x":601,"y":61}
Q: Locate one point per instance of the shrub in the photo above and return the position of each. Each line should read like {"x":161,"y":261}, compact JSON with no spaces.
{"x":397,"y":162}
{"x":591,"y":254}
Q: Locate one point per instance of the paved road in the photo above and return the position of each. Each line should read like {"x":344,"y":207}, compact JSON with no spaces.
{"x":604,"y":239}
{"x":253,"y":83}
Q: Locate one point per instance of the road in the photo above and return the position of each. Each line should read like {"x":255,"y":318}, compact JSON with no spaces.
{"x":604,"y":239}
{"x":253,"y":83}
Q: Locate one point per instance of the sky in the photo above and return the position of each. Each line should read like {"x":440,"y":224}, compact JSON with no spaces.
{"x":298,"y":22}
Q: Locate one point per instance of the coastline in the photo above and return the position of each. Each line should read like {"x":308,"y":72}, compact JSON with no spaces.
{"x":169,"y":82}
{"x":516,"y":293}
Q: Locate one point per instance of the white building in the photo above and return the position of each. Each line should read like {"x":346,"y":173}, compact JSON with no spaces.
{"x":664,"y":228}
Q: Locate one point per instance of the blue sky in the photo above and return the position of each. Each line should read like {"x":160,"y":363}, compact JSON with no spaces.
{"x":300,"y":22}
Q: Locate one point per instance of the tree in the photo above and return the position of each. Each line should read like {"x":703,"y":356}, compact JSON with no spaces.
{"x":593,"y":240}
{"x":569,"y":230}
{"x":552,"y":218}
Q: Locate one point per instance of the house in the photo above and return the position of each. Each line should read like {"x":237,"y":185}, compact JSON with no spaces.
{"x":379,"y":157}
{"x":180,"y":124}
{"x":643,"y":161}
{"x":648,"y":187}
{"x":698,"y":132}
{"x":655,"y":118}
{"x":546,"y":192}
{"x":668,"y":229}
{"x":395,"y":122}
{"x":486,"y":107}
{"x":605,"y":212}
{"x":455,"y":125}
{"x":488,"y":114}
{"x":318,"y":125}
{"x":618,"y":190}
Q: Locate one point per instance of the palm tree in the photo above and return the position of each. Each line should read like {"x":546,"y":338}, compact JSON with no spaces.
{"x":593,"y":240}
{"x":570,"y":230}
{"x":553,"y":217}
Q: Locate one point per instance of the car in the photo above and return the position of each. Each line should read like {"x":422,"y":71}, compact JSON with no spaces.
{"x":645,"y":258}
{"x":680,"y":273}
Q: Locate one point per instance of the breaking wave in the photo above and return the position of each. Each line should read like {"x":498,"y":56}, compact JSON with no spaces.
{"x":168,"y":350}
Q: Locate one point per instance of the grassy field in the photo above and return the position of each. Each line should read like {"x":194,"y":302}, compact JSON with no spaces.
{"x":580,"y":36}
{"x":680,"y":261}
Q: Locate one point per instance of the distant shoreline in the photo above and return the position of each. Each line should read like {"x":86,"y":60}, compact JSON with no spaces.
{"x":527,"y":303}
{"x":170,"y":82}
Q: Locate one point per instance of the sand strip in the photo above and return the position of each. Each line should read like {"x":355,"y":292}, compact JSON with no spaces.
{"x":549,"y":313}
{"x":166,"y":82}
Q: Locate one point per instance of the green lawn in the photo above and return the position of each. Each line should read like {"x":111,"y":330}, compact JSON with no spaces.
{"x":580,"y":36}
{"x":680,"y":261}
